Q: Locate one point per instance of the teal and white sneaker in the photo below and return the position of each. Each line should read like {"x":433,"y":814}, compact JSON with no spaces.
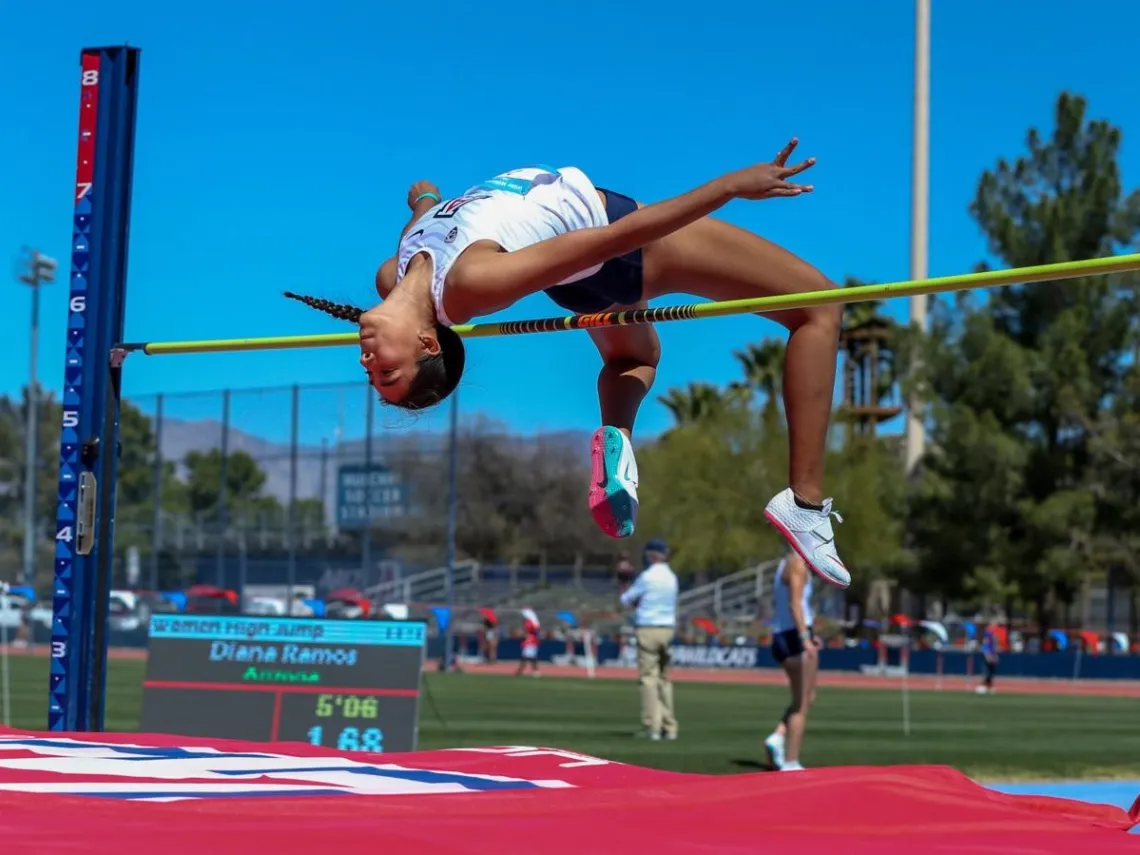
{"x":613,"y":487}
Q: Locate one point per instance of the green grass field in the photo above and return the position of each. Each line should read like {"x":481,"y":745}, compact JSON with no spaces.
{"x":1001,"y":737}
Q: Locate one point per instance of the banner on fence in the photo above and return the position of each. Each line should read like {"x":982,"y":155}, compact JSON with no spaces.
{"x":695,"y":656}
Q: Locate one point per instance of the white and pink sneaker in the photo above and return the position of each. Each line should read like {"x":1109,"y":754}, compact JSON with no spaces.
{"x":809,"y":533}
{"x":613,"y":487}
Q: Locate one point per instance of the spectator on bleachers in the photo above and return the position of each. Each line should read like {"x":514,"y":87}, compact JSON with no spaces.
{"x":624,"y":571}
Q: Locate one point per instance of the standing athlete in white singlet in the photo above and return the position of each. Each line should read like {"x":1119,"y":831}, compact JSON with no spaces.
{"x":795,"y":648}
{"x":594,"y":250}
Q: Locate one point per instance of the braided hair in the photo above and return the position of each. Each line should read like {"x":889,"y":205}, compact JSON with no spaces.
{"x":436,"y":375}
{"x":340,"y":311}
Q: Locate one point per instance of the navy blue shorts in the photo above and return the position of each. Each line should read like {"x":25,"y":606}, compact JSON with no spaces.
{"x":787,"y":644}
{"x":618,"y":283}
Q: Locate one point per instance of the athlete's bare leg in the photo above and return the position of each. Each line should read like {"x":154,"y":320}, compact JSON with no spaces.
{"x":801,"y":678}
{"x":718,"y":261}
{"x":630,"y":356}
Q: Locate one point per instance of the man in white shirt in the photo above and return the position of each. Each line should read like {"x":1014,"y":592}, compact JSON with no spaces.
{"x":653,"y":596}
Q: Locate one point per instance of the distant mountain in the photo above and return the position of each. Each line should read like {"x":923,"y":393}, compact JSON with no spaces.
{"x":315,"y":463}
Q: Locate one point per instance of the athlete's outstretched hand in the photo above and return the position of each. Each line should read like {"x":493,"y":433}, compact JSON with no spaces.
{"x":418,"y":189}
{"x":769,"y":180}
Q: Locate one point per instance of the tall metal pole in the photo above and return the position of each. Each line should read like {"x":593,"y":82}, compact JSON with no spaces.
{"x":452,"y":510}
{"x":919,"y":210}
{"x":41,"y":270}
{"x":291,"y":535}
{"x":324,"y":483}
{"x":338,"y":439}
{"x":223,"y":492}
{"x":366,"y":533}
{"x":156,"y":523}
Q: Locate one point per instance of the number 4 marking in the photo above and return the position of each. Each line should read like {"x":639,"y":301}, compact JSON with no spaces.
{"x":64,"y":534}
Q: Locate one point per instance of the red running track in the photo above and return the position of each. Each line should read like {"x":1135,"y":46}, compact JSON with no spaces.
{"x":845,"y":680}
{"x":773,"y":677}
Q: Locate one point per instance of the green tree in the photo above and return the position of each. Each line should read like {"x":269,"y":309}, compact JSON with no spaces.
{"x":710,"y":482}
{"x":138,"y":458}
{"x":135,"y":482}
{"x":1007,"y":504}
{"x":715,"y":471}
{"x":865,"y":476}
{"x":244,"y":480}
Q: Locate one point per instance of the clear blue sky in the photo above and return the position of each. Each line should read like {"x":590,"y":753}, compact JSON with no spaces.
{"x":277,"y":140}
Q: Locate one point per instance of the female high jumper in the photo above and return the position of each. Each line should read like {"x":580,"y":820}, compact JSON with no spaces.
{"x":594,"y":250}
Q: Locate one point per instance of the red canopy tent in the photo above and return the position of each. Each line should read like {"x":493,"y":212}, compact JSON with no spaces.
{"x":211,"y":599}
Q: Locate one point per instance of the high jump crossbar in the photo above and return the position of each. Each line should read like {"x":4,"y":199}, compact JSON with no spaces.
{"x":758,"y":305}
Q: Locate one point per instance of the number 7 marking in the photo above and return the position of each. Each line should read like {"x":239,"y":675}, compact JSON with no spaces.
{"x":84,"y":188}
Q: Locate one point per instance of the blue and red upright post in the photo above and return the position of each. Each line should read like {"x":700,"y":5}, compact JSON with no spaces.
{"x":89,"y":441}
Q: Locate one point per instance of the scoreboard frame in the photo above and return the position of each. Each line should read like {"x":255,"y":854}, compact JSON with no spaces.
{"x":353,"y":685}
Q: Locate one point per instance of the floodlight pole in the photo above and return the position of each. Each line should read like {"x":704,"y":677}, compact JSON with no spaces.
{"x":39,"y":270}
{"x":919,"y":212}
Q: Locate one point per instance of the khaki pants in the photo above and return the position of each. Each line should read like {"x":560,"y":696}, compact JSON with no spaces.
{"x":653,"y":650}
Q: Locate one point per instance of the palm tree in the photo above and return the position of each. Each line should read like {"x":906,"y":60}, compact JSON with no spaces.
{"x":697,"y":402}
{"x":763,"y":366}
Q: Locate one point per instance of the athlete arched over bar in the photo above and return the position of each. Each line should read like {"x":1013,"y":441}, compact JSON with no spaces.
{"x":594,"y":250}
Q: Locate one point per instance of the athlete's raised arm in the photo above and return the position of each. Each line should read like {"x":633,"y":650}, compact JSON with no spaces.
{"x":487,"y":282}
{"x":421,"y":197}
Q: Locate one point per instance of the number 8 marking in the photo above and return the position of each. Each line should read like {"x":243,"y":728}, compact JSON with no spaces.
{"x":91,"y":77}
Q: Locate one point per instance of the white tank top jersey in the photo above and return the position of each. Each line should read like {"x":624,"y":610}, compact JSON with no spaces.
{"x":782,"y":618}
{"x":515,"y":209}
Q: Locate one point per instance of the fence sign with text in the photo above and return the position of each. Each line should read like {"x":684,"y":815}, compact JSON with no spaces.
{"x":366,"y":494}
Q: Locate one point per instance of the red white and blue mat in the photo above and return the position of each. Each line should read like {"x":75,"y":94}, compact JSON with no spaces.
{"x":138,"y":794}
